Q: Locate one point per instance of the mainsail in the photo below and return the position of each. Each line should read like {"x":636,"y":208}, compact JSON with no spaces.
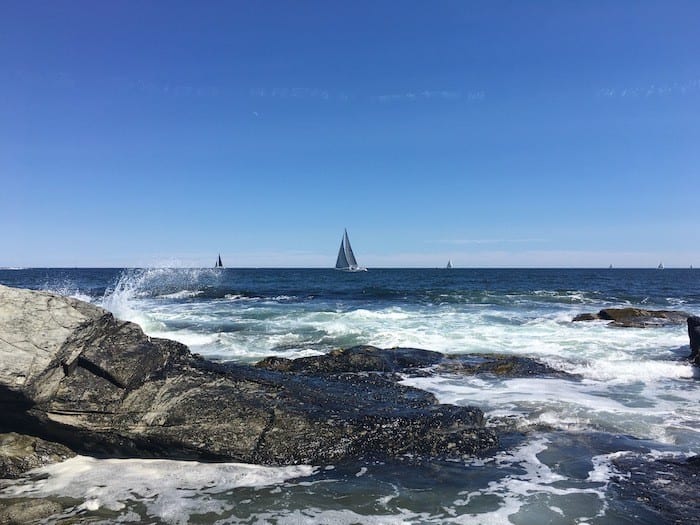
{"x":346,"y":258}
{"x":219,"y":264}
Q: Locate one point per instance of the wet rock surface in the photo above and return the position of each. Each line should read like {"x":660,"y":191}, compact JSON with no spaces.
{"x":667,"y":487}
{"x":74,"y":374}
{"x":412,"y":361}
{"x":501,"y":365}
{"x":20,"y":453}
{"x":356,"y":359}
{"x":694,"y":335}
{"x":635,"y":317}
{"x":22,"y":512}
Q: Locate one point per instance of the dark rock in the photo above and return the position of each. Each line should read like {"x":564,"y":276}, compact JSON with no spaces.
{"x":635,"y":317}
{"x":694,"y":335}
{"x":502,"y":365}
{"x":669,"y":487}
{"x":74,"y":374}
{"x":412,"y":361}
{"x":20,"y":453}
{"x":356,"y":359}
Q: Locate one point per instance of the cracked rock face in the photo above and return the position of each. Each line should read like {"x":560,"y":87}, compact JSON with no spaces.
{"x":71,"y":372}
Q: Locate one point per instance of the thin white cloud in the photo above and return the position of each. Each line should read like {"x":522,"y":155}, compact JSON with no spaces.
{"x":487,"y":241}
{"x":427,"y":94}
{"x":168,"y":89}
{"x":652,"y":90}
{"x":314,"y":93}
{"x":293,"y":93}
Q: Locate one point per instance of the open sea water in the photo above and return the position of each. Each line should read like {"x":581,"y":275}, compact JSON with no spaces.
{"x":637,"y":393}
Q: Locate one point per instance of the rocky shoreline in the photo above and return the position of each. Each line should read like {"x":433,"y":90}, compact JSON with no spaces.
{"x":72,"y":374}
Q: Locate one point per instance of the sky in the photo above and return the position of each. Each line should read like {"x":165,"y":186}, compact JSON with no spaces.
{"x":492,"y":133}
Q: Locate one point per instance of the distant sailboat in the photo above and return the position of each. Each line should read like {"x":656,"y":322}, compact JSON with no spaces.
{"x":660,"y":266}
{"x":219,"y":264}
{"x":610,"y":267}
{"x":449,"y":264}
{"x":346,"y":258}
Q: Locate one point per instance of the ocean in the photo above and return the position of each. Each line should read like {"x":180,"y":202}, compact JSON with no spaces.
{"x":635,"y":394}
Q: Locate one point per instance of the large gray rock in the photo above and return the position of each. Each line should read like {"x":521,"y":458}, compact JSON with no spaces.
{"x":73,"y":373}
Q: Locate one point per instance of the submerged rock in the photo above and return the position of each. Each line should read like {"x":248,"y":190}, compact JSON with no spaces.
{"x":73,"y":373}
{"x":668,"y":487}
{"x":635,"y":317}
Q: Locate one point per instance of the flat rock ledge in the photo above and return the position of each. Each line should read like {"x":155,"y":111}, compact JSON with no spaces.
{"x":72,"y":373}
{"x":635,"y":317}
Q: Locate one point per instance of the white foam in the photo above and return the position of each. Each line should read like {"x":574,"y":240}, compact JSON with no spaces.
{"x":183,"y":294}
{"x":639,"y":409}
{"x":533,"y":483}
{"x":165,"y":488}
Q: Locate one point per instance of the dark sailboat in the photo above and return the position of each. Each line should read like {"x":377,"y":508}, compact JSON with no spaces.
{"x":219,"y":264}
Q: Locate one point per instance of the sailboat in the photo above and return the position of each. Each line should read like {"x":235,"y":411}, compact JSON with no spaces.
{"x":346,"y":258}
{"x":219,"y":264}
{"x":449,"y":264}
{"x":660,"y":266}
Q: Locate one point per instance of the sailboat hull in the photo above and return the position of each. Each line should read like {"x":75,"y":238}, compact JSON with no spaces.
{"x":353,"y":269}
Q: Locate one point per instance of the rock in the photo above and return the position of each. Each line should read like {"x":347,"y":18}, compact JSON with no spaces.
{"x":635,"y":317}
{"x":356,"y":359}
{"x":668,"y":487}
{"x":73,"y":373}
{"x":28,"y":511}
{"x":20,"y":453}
{"x":502,"y":365}
{"x":694,"y":335}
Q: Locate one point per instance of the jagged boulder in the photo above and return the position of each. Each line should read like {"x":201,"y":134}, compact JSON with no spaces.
{"x":71,"y":372}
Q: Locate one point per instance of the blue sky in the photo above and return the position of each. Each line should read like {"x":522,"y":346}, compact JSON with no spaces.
{"x":492,"y":133}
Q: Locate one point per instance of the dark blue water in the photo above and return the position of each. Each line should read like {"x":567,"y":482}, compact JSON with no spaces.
{"x":638,"y":286}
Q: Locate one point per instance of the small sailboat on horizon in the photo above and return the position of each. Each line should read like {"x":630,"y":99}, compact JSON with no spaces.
{"x":449,"y":265}
{"x":660,"y":266}
{"x":346,"y":258}
{"x":218,"y":263}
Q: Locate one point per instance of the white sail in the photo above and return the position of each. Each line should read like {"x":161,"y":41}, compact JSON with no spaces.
{"x":346,"y":258}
